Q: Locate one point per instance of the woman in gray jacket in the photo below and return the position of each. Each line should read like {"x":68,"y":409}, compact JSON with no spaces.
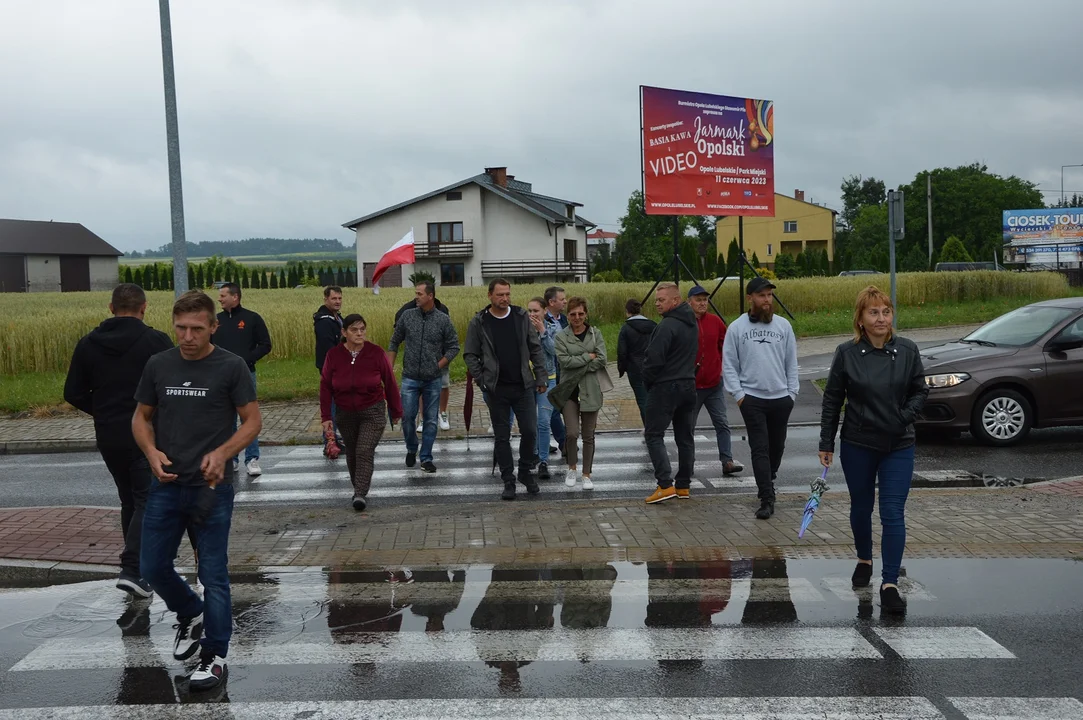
{"x":580,"y":351}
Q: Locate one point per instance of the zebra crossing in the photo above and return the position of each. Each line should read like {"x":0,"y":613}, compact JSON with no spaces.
{"x":465,"y":470}
{"x":741,"y":640}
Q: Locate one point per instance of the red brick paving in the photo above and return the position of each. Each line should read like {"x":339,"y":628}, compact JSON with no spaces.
{"x":1073,"y":488}
{"x":68,"y":534}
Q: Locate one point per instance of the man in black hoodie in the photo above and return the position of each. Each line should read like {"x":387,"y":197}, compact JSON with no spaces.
{"x":244,"y":334}
{"x":669,"y":372}
{"x":327,"y":324}
{"x":104,"y":372}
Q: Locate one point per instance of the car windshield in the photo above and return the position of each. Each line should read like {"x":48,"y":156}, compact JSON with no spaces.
{"x":1019,"y":327}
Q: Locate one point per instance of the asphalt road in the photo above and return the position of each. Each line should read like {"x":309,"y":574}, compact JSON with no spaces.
{"x":300,"y":475}
{"x":743,"y":639}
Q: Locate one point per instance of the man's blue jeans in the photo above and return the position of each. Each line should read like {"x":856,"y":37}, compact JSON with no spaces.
{"x":545,"y":419}
{"x":427,"y":392}
{"x":714,"y":399}
{"x":252,"y":451}
{"x":895,"y":470}
{"x":165,"y":521}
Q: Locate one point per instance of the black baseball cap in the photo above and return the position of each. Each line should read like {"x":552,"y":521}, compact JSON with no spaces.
{"x":757,"y":284}
{"x":697,"y":290}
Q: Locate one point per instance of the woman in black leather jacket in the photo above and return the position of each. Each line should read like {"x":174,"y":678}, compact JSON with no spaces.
{"x":880,"y":379}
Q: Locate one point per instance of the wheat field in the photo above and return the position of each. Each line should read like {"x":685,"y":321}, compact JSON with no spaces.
{"x":39,"y":331}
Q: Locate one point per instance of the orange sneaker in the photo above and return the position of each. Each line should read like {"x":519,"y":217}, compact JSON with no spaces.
{"x":661,"y":494}
{"x":683,"y":493}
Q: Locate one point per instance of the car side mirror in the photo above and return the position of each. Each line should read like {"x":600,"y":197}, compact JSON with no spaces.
{"x":1065,"y":344}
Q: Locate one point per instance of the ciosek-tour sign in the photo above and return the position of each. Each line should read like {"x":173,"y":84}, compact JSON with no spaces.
{"x":1050,"y":230}
{"x":707,"y":154}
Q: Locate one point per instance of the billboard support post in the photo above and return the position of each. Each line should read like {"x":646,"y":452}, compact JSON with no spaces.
{"x":895,"y":228}
{"x":677,"y":251}
{"x":741,"y":249}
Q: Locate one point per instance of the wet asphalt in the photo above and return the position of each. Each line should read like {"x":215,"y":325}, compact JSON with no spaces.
{"x":781,"y":629}
{"x":299,"y":475}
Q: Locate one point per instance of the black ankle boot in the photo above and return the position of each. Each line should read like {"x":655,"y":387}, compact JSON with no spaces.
{"x":862,"y":575}
{"x":509,"y":491}
{"x":891,"y":601}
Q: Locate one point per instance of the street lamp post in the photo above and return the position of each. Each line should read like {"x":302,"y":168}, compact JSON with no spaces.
{"x":176,"y":197}
{"x":1062,"y":180}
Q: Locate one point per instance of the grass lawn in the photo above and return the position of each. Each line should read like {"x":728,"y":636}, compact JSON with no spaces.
{"x":290,"y":379}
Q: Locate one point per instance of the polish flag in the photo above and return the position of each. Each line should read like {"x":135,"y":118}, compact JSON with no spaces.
{"x":401,"y":253}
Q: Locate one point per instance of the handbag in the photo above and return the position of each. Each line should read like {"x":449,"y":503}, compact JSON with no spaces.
{"x":605,"y":383}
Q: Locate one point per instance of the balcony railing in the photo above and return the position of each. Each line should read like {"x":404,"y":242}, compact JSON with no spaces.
{"x":531,"y":268}
{"x":456,"y":249}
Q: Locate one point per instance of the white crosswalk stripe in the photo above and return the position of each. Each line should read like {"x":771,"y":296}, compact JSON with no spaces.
{"x":999,"y":708}
{"x":465,"y":469}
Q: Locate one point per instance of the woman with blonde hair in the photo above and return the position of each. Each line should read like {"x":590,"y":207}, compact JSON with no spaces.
{"x":580,"y":351}
{"x":880,"y":379}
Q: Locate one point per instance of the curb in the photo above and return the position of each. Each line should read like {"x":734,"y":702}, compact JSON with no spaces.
{"x":13,"y":571}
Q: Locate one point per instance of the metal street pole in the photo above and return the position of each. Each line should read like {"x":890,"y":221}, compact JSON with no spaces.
{"x":896,"y":221}
{"x":176,"y":197}
{"x":929,"y":210}
{"x":1062,"y":181}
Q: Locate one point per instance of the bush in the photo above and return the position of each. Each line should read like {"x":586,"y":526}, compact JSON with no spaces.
{"x":608,"y":276}
{"x":416,"y":278}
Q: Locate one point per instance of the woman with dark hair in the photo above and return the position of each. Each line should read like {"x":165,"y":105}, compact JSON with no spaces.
{"x":358,"y":377}
{"x":880,"y":378}
{"x":632,"y":343}
{"x":580,"y":351}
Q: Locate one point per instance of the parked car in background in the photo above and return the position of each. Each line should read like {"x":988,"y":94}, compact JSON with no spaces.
{"x":1020,"y":371}
{"x":850,"y":273}
{"x":966,"y":266}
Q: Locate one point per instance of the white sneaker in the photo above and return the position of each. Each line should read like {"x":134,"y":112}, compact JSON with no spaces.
{"x":587,"y":484}
{"x":444,"y":423}
{"x":210,"y":672}
{"x":253,"y":467}
{"x":571,"y":477}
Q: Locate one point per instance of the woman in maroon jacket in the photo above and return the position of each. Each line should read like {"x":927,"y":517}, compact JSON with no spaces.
{"x":359,"y":378}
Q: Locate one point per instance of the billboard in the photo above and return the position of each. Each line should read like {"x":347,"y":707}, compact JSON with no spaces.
{"x":1048,"y":235}
{"x":707,"y":154}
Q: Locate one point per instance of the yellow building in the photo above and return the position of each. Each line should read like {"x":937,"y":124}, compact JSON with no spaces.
{"x":797,"y":226}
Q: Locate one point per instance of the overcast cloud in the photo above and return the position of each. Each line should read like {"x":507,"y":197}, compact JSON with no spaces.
{"x":299,"y":115}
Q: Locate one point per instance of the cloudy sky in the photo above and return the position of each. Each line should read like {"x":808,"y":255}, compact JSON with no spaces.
{"x":299,"y":115}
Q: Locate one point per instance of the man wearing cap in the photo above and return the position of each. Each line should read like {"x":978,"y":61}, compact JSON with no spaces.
{"x":709,"y":390}
{"x":759,"y":368}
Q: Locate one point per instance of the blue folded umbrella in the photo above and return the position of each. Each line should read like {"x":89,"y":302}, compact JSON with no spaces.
{"x":819,"y":487}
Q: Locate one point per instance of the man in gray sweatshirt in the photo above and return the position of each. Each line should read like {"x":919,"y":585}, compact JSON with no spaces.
{"x":759,"y":368}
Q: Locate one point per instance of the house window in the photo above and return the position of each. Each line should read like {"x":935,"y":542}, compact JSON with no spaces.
{"x":789,"y":226}
{"x":455,"y":195}
{"x":445,"y":232}
{"x":571,"y":247}
{"x":768,"y":249}
{"x":452,"y":274}
{"x":571,"y":211}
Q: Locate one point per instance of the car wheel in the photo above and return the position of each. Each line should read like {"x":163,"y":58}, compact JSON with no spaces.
{"x":1002,"y":417}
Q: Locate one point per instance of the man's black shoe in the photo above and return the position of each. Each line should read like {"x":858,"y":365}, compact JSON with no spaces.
{"x":509,"y":491}
{"x":527,"y":479}
{"x":136,"y":586}
{"x":411,"y":459}
{"x":428,"y":467}
{"x":543,"y":471}
{"x":359,"y":503}
{"x":862,"y":575}
{"x":891,"y":601}
{"x":767,"y":509}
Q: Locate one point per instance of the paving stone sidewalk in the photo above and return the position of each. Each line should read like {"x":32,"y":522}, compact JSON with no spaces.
{"x":1041,"y":521}
{"x":298,"y":422}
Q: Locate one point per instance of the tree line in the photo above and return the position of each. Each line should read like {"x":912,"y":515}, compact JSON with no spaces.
{"x":250,"y":246}
{"x":159,"y":276}
{"x":967,"y":209}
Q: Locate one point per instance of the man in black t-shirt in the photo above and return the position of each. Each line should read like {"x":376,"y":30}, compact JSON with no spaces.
{"x":504,"y":355}
{"x":183,"y":423}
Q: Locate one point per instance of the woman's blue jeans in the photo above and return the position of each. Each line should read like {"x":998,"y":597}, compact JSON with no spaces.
{"x":862,"y":466}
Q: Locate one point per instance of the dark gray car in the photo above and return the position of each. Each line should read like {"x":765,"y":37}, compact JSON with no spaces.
{"x":1022,"y":370}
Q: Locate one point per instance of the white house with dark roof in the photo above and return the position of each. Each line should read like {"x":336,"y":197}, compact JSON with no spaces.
{"x":487,"y":226}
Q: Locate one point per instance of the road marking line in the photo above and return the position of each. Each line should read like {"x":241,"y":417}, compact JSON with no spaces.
{"x":557,"y":645}
{"x":843,"y":587}
{"x":998,"y":708}
{"x":392,"y":446}
{"x":603,"y":708}
{"x":943,"y":643}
